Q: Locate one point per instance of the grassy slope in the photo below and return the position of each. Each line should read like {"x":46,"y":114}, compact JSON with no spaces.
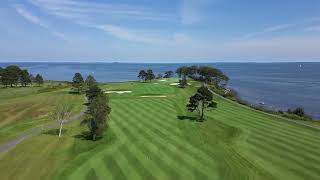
{"x":146,"y":140}
{"x":24,"y":108}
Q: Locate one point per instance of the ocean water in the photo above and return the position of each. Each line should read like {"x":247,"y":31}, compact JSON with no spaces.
{"x":278,"y":85}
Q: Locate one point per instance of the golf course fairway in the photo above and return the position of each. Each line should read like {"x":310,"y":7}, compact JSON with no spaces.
{"x":151,"y":135}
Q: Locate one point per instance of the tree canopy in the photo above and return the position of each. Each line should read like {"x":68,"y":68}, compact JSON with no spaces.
{"x":13,"y":75}
{"x":201,"y":101}
{"x":168,"y":74}
{"x":150,"y":76}
{"x":38,"y":79}
{"x":205,"y":74}
{"x":98,"y":111}
{"x":77,"y":82}
{"x":90,"y":81}
{"x":142,"y":75}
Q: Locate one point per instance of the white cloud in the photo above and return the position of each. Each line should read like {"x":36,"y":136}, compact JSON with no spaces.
{"x":73,"y":10}
{"x":313,"y":29}
{"x":127,"y":34}
{"x":283,"y":27}
{"x":192,"y":11}
{"x":21,"y":10}
{"x":302,"y":47}
{"x":29,"y":16}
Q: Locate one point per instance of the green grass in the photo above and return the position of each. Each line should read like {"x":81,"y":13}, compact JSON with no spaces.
{"x":147,"y":140}
{"x":23,"y":108}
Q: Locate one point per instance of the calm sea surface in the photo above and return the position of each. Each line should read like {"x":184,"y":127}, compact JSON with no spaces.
{"x":278,"y":85}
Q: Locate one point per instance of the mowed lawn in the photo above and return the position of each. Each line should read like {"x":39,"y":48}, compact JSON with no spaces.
{"x":156,"y":138}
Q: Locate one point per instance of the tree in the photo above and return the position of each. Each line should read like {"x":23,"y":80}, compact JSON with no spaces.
{"x":142,"y":75}
{"x":1,"y":74}
{"x":150,"y":76}
{"x":32,"y":79}
{"x":182,"y":71}
{"x":11,"y":75}
{"x":39,"y":80}
{"x":90,"y":81}
{"x":168,"y":74}
{"x":98,"y":111}
{"x":93,"y":92}
{"x":212,"y":75}
{"x":159,"y":76}
{"x":61,"y":113}
{"x":298,"y":111}
{"x":24,"y":78}
{"x":183,"y":82}
{"x":77,"y":82}
{"x":202,"y":100}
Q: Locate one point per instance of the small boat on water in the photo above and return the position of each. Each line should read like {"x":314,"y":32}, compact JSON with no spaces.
{"x":262,"y":103}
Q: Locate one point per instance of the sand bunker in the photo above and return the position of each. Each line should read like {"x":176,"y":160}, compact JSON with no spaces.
{"x":153,"y":96}
{"x":174,"y":84}
{"x":117,"y":92}
{"x":155,"y":83}
{"x":163,"y":80}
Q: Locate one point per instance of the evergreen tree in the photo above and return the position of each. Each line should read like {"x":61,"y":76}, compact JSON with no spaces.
{"x":39,"y":80}
{"x":90,"y":81}
{"x":98,"y":111}
{"x":11,"y":75}
{"x":24,"y":78}
{"x":77,"y":82}
{"x":150,"y":76}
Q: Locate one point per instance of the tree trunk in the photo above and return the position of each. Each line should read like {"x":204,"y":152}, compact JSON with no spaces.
{"x":60,"y":129}
{"x":202,"y":109}
{"x":94,"y":136}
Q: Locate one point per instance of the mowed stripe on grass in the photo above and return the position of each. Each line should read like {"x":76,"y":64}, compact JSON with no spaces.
{"x":234,"y":143}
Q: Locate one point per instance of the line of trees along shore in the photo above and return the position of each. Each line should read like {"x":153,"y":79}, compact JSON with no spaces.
{"x":13,"y":76}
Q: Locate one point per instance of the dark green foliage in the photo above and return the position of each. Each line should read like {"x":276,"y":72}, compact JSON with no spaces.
{"x":211,"y":75}
{"x":38,"y":80}
{"x":202,"y":100}
{"x":183,"y":82}
{"x":98,"y":111}
{"x":142,"y":75}
{"x":168,"y":74}
{"x":182,"y":71}
{"x":11,"y":75}
{"x":159,"y":76}
{"x":93,"y":92}
{"x":25,"y":78}
{"x":90,"y":81}
{"x":1,"y":74}
{"x":150,"y":76}
{"x":298,"y":111}
{"x":77,"y":82}
{"x":203,"y":73}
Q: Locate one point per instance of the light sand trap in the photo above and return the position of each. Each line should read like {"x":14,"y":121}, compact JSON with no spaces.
{"x":155,"y":83}
{"x":163,"y":80}
{"x":117,"y":92}
{"x":174,"y":84}
{"x":153,"y":96}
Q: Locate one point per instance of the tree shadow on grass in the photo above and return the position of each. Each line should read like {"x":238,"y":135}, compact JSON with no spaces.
{"x":187,"y":118}
{"x":54,"y":132}
{"x":86,"y":136}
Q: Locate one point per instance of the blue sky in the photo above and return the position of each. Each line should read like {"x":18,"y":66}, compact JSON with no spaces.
{"x":160,"y":31}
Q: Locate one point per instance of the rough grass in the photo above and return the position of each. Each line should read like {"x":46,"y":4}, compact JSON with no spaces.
{"x":159,"y":139}
{"x":24,"y":107}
